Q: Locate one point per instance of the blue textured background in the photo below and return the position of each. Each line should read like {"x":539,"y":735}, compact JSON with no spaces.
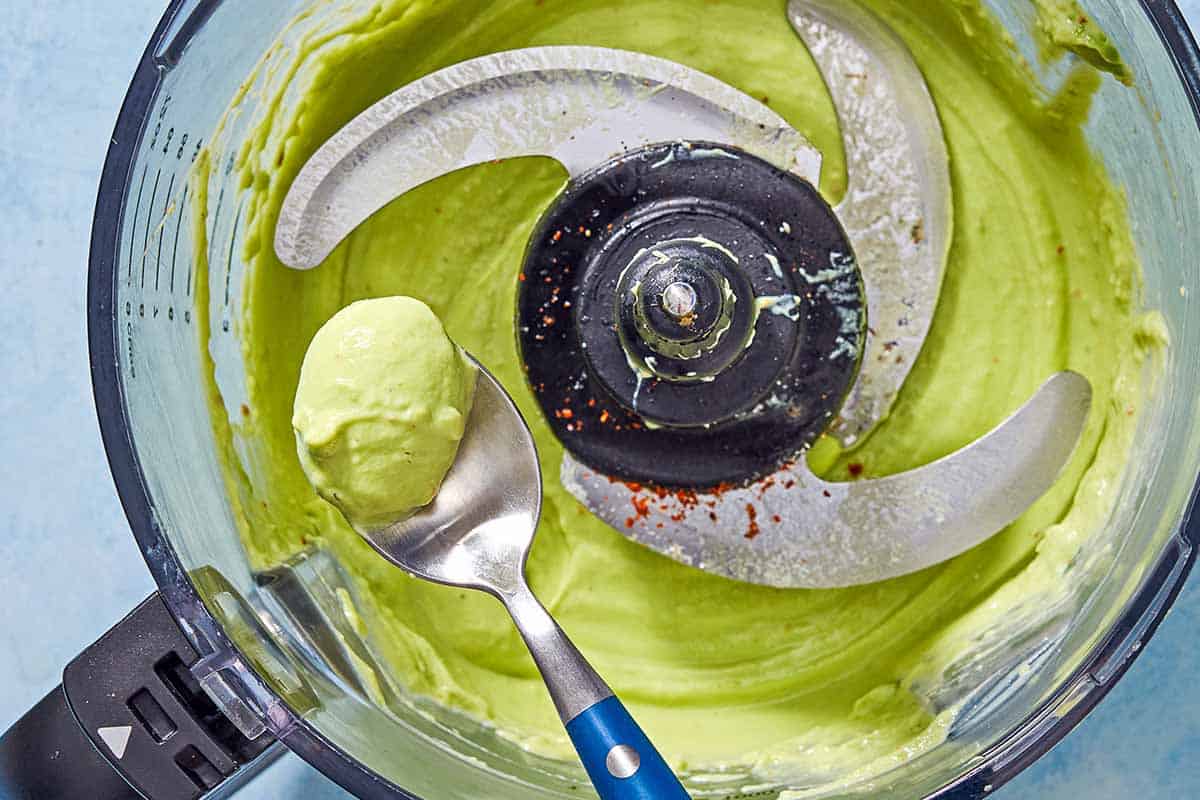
{"x":68,"y":565}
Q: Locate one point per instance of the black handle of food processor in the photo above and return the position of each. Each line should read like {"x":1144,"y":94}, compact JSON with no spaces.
{"x":130,"y":720}
{"x":47,"y":755}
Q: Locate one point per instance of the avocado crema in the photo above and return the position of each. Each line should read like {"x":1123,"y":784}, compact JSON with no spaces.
{"x":812,"y":687}
{"x":381,"y":407}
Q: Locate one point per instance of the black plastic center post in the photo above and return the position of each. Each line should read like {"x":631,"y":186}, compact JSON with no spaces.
{"x":690,"y":315}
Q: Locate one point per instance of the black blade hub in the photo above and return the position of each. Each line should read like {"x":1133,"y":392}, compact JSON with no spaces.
{"x":690,"y":316}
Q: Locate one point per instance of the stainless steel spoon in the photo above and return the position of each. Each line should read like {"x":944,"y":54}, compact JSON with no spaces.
{"x":477,"y":534}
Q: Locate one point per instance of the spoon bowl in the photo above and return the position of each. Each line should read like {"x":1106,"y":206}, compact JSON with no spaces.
{"x":479,"y":529}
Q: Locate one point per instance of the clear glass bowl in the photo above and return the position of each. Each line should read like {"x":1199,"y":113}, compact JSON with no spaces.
{"x":282,"y":658}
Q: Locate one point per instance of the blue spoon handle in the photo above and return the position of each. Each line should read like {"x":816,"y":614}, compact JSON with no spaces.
{"x":618,"y":757}
{"x":620,"y":760}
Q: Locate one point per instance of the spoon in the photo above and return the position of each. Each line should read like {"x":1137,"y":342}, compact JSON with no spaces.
{"x":477,"y":534}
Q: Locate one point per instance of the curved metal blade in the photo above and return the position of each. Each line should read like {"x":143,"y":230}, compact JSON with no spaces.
{"x":842,"y":534}
{"x":897,"y":210}
{"x":579,"y":105}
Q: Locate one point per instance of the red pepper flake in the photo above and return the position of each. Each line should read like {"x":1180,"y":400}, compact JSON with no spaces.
{"x":604,"y":417}
{"x":826,"y":493}
{"x":856,"y":469}
{"x":566,"y":413}
{"x":245,"y":410}
{"x":712,"y":515}
{"x":548,"y":320}
{"x":556,"y":237}
{"x":591,"y":402}
{"x":687,"y":498}
{"x":521,"y":277}
{"x":659,"y":526}
{"x":789,"y":484}
{"x":753,"y":530}
{"x":776,"y":519}
{"x":641,"y":505}
{"x":629,"y":522}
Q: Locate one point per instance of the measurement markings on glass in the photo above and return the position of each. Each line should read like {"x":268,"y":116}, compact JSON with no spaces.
{"x":187,"y":314}
{"x":149,"y":218}
{"x":216,"y":221}
{"x":237,"y":222}
{"x":179,"y":216}
{"x":137,"y":209}
{"x":217,"y":214}
{"x":162,"y":225}
{"x":157,"y":220}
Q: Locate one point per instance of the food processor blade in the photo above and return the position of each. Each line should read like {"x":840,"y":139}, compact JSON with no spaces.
{"x":897,"y":210}
{"x":795,"y":530}
{"x":583,"y":106}
{"x":578,"y":105}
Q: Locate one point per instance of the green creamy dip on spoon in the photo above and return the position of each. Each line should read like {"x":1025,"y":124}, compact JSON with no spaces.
{"x":381,"y":406}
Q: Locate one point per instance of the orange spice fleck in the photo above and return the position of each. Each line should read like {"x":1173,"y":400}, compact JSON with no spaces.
{"x":753,"y":530}
{"x":641,"y":505}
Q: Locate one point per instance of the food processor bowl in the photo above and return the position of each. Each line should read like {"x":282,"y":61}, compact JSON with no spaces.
{"x":287,"y":651}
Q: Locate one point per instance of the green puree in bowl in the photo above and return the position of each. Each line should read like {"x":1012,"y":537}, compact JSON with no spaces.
{"x":817,"y":687}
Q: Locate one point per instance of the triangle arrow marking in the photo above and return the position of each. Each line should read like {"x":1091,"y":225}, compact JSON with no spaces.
{"x":117,"y":738}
